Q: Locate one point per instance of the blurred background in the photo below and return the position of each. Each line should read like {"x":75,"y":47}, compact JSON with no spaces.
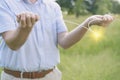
{"x":83,"y":7}
{"x":92,"y":58}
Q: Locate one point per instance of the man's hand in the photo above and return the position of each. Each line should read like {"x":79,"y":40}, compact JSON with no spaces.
{"x":101,"y":20}
{"x":16,"y":38}
{"x":67,"y":39}
{"x":27,"y":19}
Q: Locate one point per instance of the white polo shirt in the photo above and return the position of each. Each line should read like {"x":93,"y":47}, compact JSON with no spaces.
{"x":40,"y":51}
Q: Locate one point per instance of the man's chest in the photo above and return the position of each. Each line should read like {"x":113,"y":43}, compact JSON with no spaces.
{"x":46,"y":13}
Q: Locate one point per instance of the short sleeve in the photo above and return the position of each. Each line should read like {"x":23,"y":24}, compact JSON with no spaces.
{"x":61,"y":26}
{"x":7,"y":21}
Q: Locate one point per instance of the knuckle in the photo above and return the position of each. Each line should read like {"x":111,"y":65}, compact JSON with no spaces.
{"x":27,"y":15}
{"x":33,"y":17}
{"x":37,"y":17}
{"x":22,"y":18}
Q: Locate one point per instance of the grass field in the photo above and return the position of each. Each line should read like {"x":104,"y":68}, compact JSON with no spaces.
{"x":90,"y":59}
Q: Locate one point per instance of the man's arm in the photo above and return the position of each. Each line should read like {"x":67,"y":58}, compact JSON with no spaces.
{"x":16,"y":38}
{"x":67,"y":39}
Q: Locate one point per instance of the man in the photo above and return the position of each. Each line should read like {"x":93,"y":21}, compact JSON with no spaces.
{"x":30,"y":31}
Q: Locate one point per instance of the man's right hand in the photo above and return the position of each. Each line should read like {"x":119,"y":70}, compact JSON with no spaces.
{"x":16,"y":38}
{"x":27,"y":19}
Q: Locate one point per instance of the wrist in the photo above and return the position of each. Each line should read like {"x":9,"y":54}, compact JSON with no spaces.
{"x":86,"y":23}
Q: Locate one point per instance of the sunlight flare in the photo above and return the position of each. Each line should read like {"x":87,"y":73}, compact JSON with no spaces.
{"x":97,"y":34}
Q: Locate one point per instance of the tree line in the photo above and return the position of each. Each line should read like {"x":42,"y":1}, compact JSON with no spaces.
{"x":82,"y":7}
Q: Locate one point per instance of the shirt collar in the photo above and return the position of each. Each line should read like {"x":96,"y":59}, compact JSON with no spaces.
{"x":40,"y":1}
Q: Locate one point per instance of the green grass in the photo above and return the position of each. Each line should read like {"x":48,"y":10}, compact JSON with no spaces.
{"x":90,"y":59}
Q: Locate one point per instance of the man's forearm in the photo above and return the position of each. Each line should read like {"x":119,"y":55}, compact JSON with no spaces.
{"x":72,"y":37}
{"x":16,"y":38}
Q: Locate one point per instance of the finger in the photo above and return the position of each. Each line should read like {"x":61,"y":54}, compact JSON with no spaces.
{"x":23,"y":20}
{"x":28,"y":20}
{"x":111,"y":18}
{"x":108,"y":18}
{"x":37,"y":17}
{"x":18,"y":18}
{"x":33,"y":19}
